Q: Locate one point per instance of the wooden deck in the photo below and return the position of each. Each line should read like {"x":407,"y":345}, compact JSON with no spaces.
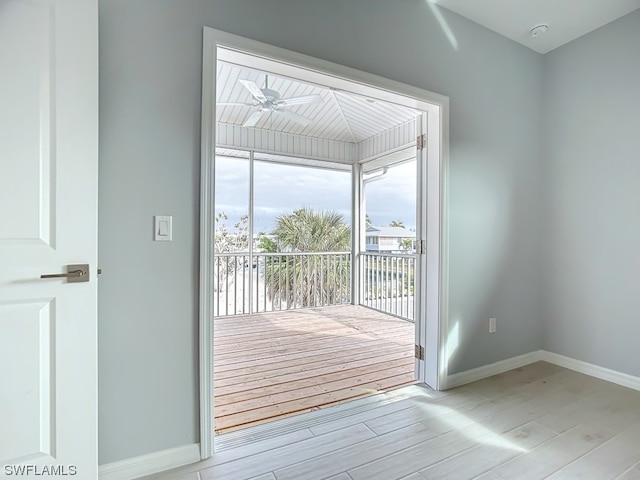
{"x":273,"y":365}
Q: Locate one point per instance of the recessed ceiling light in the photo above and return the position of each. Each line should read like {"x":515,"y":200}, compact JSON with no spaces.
{"x":539,"y":30}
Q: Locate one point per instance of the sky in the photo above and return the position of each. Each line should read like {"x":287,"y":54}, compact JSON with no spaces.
{"x":281,"y":188}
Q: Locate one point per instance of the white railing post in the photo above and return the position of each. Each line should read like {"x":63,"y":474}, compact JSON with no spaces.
{"x":357,"y":226}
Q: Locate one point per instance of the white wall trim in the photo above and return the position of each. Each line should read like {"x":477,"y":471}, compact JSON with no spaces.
{"x":485,"y":371}
{"x":156,"y":462}
{"x":263,"y":57}
{"x":207,"y":230}
{"x":596,"y":371}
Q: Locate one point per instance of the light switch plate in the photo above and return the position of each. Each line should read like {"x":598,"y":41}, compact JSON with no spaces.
{"x":162,"y":228}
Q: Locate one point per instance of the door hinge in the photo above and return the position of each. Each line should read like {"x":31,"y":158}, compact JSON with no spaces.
{"x":421,"y":141}
{"x":419,"y":352}
{"x":421,"y":247}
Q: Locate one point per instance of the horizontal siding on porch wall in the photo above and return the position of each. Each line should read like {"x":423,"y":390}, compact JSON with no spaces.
{"x":234,"y":136}
{"x":392,"y":140}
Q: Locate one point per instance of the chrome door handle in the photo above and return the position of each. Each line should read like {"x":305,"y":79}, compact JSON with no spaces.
{"x":71,"y":274}
{"x":75,"y":273}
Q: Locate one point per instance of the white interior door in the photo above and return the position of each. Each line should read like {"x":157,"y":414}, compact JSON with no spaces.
{"x":48,"y":220}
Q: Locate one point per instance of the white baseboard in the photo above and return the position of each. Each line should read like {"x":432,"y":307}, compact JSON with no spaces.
{"x":502,"y":366}
{"x":602,"y":373}
{"x":485,"y":371}
{"x":149,"y":464}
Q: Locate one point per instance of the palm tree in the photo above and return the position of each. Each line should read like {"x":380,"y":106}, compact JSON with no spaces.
{"x":397,"y":223}
{"x":309,"y":280}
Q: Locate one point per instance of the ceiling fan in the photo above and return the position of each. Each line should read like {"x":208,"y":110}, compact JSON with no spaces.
{"x":270,"y":101}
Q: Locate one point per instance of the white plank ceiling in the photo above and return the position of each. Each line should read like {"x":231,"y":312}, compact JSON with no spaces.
{"x":341,"y":116}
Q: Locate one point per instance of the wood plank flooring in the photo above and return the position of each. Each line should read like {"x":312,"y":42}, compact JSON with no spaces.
{"x":539,"y":421}
{"x":274,"y":365}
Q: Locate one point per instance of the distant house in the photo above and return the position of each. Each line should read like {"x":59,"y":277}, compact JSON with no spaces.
{"x":388,"y":239}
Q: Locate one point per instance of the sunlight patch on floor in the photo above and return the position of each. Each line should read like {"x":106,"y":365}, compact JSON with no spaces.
{"x":469,"y":428}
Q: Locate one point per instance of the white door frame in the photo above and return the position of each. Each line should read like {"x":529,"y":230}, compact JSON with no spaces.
{"x":348,"y":79}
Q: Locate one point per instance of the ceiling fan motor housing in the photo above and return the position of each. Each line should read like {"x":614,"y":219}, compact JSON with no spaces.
{"x":272,"y":95}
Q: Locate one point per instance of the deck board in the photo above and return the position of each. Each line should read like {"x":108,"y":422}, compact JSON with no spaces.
{"x":293,"y":372}
{"x":274,"y":365}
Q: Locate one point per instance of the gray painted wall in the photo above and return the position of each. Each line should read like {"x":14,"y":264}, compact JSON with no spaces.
{"x":150,"y":71}
{"x":592,"y":174}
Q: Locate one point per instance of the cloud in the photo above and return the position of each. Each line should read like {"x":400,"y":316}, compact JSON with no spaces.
{"x":282,"y":188}
{"x":393,"y":197}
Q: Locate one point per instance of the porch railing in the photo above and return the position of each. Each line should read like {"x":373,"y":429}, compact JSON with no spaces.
{"x":387,"y":283}
{"x":267,"y":282}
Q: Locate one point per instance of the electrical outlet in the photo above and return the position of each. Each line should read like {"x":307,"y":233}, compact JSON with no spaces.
{"x":492,"y":325}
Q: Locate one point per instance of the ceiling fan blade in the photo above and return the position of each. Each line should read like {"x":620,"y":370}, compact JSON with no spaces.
{"x":235,"y":104}
{"x":287,"y":102}
{"x":253,"y":119}
{"x":254,"y":90}
{"x":294,"y":117}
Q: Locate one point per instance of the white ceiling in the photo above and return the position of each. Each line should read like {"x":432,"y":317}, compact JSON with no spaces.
{"x":341,"y":116}
{"x":567,"y":19}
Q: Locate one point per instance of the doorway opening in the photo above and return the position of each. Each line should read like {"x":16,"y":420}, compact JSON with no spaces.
{"x":297,"y":164}
{"x":290,"y":336}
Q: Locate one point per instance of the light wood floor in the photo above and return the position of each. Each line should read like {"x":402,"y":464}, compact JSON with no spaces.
{"x":540,"y":421}
{"x":278,"y":364}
